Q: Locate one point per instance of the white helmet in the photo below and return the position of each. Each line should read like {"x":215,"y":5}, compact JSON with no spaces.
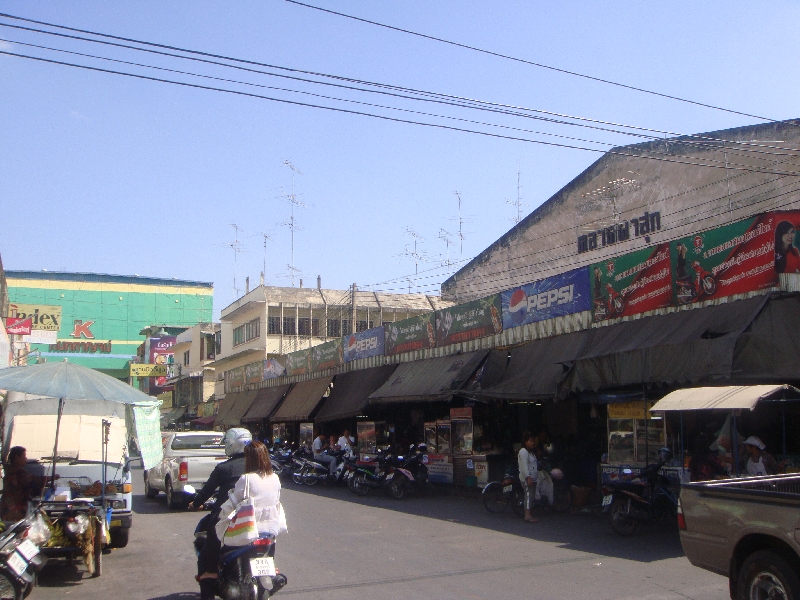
{"x":236,"y":439}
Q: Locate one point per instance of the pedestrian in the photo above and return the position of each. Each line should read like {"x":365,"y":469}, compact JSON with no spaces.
{"x":528,"y":472}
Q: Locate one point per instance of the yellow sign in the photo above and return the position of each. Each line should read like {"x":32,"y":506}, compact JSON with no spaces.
{"x":629,"y":410}
{"x":166,"y":399}
{"x":43,"y":316}
{"x":148,"y":370}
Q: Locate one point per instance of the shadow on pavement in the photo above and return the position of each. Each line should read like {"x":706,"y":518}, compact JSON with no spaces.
{"x":178,"y":596}
{"x":582,"y":531}
{"x":59,"y":573}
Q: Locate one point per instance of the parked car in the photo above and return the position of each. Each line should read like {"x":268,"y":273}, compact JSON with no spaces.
{"x":747,"y":530}
{"x":189,"y":458}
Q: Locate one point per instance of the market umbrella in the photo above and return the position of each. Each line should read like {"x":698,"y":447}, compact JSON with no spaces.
{"x":67,"y":381}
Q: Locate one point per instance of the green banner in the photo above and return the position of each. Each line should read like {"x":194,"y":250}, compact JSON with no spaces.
{"x":416,"y":333}
{"x":237,"y":377}
{"x":298,"y":363}
{"x":327,"y":355}
{"x":253,"y":372}
{"x":479,"y":318}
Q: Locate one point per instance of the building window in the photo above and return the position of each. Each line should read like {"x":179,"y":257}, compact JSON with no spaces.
{"x":209,"y":353}
{"x":346,"y":327}
{"x":363,"y":325}
{"x":289,"y":326}
{"x":304,"y":326}
{"x":249,"y":331}
{"x":273,"y":326}
{"x":218,"y":342}
{"x":238,"y":335}
{"x":315,"y":327}
{"x":334,"y":328}
{"x":186,"y":359}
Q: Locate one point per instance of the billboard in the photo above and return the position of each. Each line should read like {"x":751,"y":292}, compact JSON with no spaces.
{"x":416,"y":333}
{"x":272,"y":369}
{"x":364,"y":344}
{"x":18,"y":325}
{"x":161,"y":354}
{"x":143,"y":370}
{"x":236,"y":377}
{"x":327,"y":355}
{"x":43,"y":317}
{"x":727,"y":260}
{"x":298,"y":363}
{"x":555,"y":296}
{"x":787,"y":256}
{"x":632,"y":283}
{"x":253,"y":372}
{"x":468,"y":321}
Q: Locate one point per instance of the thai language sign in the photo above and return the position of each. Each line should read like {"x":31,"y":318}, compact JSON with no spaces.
{"x":253,"y":373}
{"x":18,"y":325}
{"x":416,"y":333}
{"x":327,"y":355}
{"x":43,"y":316}
{"x":272,"y":369}
{"x":144,"y":370}
{"x":465,"y":322}
{"x":728,"y":260}
{"x":364,"y":344}
{"x":632,"y":283}
{"x":161,"y":353}
{"x":549,"y":298}
{"x":298,"y":363}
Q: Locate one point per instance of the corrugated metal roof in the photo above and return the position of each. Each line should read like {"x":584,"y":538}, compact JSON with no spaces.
{"x":351,"y":392}
{"x":432,"y":379}
{"x":301,"y":401}
{"x":743,"y":397}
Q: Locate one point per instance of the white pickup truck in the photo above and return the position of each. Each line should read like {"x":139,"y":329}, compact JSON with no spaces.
{"x":189,"y":458}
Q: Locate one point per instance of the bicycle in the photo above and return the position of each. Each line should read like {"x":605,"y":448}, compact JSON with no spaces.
{"x":497,"y":495}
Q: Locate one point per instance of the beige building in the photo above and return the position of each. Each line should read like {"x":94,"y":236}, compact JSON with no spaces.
{"x":192,"y":373}
{"x":271,"y":321}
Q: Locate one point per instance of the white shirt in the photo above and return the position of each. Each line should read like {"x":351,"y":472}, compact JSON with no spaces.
{"x":756,"y":468}
{"x":317,"y":445}
{"x":266,"y":494}
{"x":528,"y":465}
{"x":345,"y":443}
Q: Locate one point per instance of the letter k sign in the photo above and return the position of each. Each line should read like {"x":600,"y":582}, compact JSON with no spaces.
{"x":81,"y":329}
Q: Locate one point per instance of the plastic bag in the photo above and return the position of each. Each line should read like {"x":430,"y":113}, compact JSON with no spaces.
{"x":39,"y":533}
{"x":282,"y":528}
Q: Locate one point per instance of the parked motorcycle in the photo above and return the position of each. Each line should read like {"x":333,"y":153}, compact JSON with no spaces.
{"x":691,"y":289}
{"x":312,"y":471}
{"x":245,"y":572}
{"x":366,"y":476}
{"x":648,"y":497}
{"x":409,"y":474}
{"x":497,"y":495}
{"x":20,"y":559}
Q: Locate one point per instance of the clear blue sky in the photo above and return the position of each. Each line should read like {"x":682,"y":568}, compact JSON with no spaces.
{"x":108,"y":174}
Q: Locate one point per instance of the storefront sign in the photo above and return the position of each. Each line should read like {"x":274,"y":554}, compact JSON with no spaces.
{"x":732,"y":259}
{"x":416,"y":333}
{"x":648,"y":223}
{"x":253,"y":372}
{"x":166,"y":399}
{"x":364,"y":344}
{"x":43,"y":316}
{"x":41,"y":336}
{"x":161,"y":353}
{"x":84,"y":347}
{"x":632,"y":283}
{"x":327,"y":355}
{"x":148,"y":370}
{"x":272,"y":369}
{"x":298,"y":363}
{"x":440,"y":467}
{"x":18,"y":325}
{"x":549,"y":298}
{"x":460,"y":413}
{"x":630,"y":410}
{"x":476,"y":319}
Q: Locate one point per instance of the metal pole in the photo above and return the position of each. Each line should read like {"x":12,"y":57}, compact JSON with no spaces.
{"x":783,"y":420}
{"x":55,"y":445}
{"x":646,"y":428}
{"x":734,"y":442}
{"x":683,"y":451}
{"x":104,"y":455}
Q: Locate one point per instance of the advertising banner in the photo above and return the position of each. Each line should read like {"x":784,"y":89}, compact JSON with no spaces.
{"x":272,"y":369}
{"x":416,"y":333}
{"x":556,"y":296}
{"x":787,"y":256}
{"x":298,"y":363}
{"x":140,"y":370}
{"x":18,"y":325}
{"x":364,"y":344}
{"x":253,"y":372}
{"x":732,"y":259}
{"x":632,"y":283}
{"x":161,"y":354}
{"x":479,"y":318}
{"x":42,"y":336}
{"x":43,"y":316}
{"x":327,"y":355}
{"x":237,"y":377}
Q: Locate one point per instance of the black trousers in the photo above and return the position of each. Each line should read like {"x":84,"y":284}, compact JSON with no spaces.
{"x":208,"y":559}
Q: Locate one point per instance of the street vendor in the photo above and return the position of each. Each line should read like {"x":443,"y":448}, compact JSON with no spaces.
{"x":760,"y":462}
{"x":19,"y":486}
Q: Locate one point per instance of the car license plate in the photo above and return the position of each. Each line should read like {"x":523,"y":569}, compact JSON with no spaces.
{"x":262,"y":567}
{"x":116,"y":523}
{"x":507,"y":488}
{"x":28,"y":549}
{"x":17,"y":563}
{"x":607,"y":499}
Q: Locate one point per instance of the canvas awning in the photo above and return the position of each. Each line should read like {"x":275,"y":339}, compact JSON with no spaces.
{"x":265,"y":402}
{"x":174,"y":415}
{"x":428,"y":380}
{"x":743,"y":397}
{"x":239,"y":405}
{"x":351,"y":392}
{"x":535,"y":369}
{"x":684,"y":346}
{"x":768,"y":350}
{"x":301,"y":401}
{"x":224,"y":406}
{"x":204,"y":420}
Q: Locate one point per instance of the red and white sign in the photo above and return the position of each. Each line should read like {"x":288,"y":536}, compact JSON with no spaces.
{"x":17,"y":326}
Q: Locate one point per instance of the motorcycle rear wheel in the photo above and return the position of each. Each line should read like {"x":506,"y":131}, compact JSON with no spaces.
{"x":620,"y":521}
{"x":360,"y":487}
{"x":398,"y":488}
{"x":308,"y":476}
{"x":494,"y":499}
{"x":562,"y":499}
{"x":10,"y":589}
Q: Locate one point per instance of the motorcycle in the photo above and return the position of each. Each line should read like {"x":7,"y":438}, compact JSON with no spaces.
{"x":366,"y":476}
{"x":690,"y":289}
{"x":499,"y":494}
{"x":20,"y":558}
{"x":245,"y":572}
{"x":285,"y":461}
{"x":648,"y":497}
{"x":410,"y":473}
{"x":312,"y":471}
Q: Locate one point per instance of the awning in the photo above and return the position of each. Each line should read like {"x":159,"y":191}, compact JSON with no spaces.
{"x":351,"y":392}
{"x":204,"y":420}
{"x":535,"y":369}
{"x":684,"y":346}
{"x":240,"y":404}
{"x":301,"y":401}
{"x":428,"y":380}
{"x":743,"y":397}
{"x":176,"y":414}
{"x":768,"y":350}
{"x":265,"y":402}
{"x":224,"y":406}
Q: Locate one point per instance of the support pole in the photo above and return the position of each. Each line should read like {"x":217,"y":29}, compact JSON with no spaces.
{"x":55,"y":445}
{"x":683,"y":449}
{"x":734,"y":443}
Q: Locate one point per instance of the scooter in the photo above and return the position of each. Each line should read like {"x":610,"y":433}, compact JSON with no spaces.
{"x":312,"y":471}
{"x":648,"y":497}
{"x":20,"y":559}
{"x":245,"y":572}
{"x":690,"y":289}
{"x":366,"y":476}
{"x":410,"y":474}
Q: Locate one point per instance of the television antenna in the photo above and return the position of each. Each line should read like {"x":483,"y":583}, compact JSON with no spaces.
{"x":447,"y":238}
{"x":461,"y":220}
{"x":237,"y":248}
{"x":290,"y":222}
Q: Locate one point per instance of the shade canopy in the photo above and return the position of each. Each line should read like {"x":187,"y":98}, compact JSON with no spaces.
{"x":237,"y":404}
{"x":301,"y":402}
{"x":744,"y":397}
{"x":265,"y":402}
{"x":69,"y":381}
{"x":434,"y":379}
{"x":351,"y":392}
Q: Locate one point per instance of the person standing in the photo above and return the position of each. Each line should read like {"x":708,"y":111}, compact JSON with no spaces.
{"x":528,"y":472}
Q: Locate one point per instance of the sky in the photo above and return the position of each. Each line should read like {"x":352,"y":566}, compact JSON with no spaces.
{"x":106,"y":173}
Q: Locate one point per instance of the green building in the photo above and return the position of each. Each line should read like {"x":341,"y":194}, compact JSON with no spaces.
{"x":96,"y":320}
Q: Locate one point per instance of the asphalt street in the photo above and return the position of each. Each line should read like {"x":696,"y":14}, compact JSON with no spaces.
{"x":340,"y":546}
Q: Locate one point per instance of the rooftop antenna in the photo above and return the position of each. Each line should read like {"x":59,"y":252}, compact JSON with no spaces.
{"x":447,"y":238}
{"x":461,"y":220}
{"x":237,"y":248}
{"x":292,"y":198}
{"x":416,"y":255}
{"x":518,"y":204}
{"x":266,"y":237}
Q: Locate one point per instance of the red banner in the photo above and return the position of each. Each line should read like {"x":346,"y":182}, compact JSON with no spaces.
{"x":17,"y":326}
{"x":787,"y":256}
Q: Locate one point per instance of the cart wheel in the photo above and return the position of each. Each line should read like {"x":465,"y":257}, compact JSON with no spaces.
{"x":98,"y":550}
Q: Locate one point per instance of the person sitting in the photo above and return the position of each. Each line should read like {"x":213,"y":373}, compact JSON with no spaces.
{"x":19,"y":486}
{"x":760,"y":462}
{"x":319,"y":446}
{"x":346,"y":442}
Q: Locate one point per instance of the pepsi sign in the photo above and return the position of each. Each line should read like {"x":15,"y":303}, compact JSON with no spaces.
{"x":364,"y":344}
{"x":556,"y":296}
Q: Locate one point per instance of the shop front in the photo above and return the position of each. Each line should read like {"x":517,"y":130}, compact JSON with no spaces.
{"x":234,"y":406}
{"x":265,"y":403}
{"x":293,"y":420}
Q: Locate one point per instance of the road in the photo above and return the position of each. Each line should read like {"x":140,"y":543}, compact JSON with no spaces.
{"x":342,"y":547}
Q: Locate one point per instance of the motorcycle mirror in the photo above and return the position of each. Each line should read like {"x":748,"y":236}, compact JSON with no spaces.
{"x":189,"y":489}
